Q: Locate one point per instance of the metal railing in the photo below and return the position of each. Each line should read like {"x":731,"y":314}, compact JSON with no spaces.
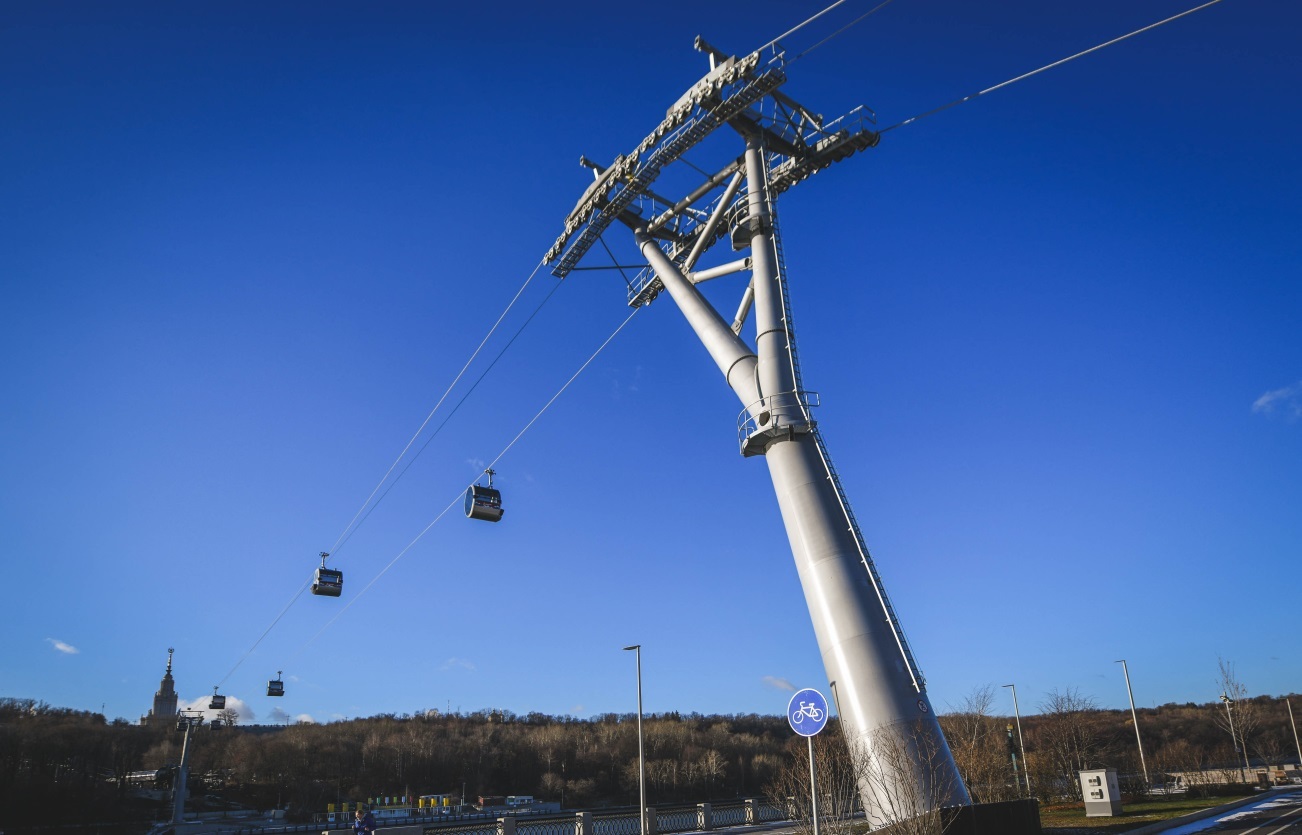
{"x":669,"y":820}
{"x":616,"y":824}
{"x":677,"y":820}
{"x":551,"y":826}
{"x":729,"y":815}
{"x":778,"y":414}
{"x":488,"y":827}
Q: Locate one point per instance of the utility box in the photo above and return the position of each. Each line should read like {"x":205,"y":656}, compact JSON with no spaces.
{"x":1102,"y":793}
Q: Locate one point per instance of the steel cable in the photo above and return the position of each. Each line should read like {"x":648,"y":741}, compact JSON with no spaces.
{"x":459,"y":495}
{"x":1057,"y":63}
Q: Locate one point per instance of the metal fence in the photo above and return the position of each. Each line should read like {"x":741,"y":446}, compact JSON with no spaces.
{"x":677,"y":820}
{"x":669,"y":820}
{"x":731,"y":815}
{"x":552,"y":826}
{"x":616,"y":825}
{"x":488,"y":827}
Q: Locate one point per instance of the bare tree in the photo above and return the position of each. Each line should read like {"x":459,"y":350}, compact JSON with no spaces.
{"x":906,"y":772}
{"x":980,"y":743}
{"x":1069,"y":738}
{"x":1240,"y":717}
{"x":1272,"y":746}
{"x":838,"y":788}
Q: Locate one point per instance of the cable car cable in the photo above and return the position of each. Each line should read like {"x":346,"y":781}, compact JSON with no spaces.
{"x":265,"y":632}
{"x":556,"y":286}
{"x":1058,"y":63}
{"x":457,"y":500}
{"x":800,"y":26}
{"x":874,"y":10}
{"x":354,"y":523}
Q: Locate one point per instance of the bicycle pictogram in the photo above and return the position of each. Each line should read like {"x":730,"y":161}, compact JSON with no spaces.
{"x":808,"y":710}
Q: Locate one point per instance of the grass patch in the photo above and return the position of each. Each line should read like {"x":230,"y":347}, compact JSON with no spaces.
{"x":1070,"y":817}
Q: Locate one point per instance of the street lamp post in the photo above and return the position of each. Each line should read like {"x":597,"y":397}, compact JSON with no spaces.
{"x":1229,"y":717}
{"x":641,"y":753}
{"x":1296,"y":744}
{"x":1134,"y":718}
{"x":1026,"y":772}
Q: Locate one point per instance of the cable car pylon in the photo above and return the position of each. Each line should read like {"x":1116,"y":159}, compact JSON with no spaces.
{"x":880,"y":693}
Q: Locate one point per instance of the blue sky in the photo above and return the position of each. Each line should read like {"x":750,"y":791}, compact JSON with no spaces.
{"x":245,"y":249}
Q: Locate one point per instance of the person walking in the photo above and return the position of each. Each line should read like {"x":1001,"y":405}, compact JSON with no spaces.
{"x":365,"y":824}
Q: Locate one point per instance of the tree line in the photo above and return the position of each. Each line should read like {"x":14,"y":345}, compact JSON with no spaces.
{"x":65,"y":766}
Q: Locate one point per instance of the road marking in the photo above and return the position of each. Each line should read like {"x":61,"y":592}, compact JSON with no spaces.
{"x":1280,"y":818}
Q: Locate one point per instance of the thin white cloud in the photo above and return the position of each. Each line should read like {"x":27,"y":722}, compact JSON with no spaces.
{"x":278,"y":717}
{"x":66,"y":649}
{"x":779,"y":684}
{"x":1286,"y":401}
{"x":457,"y":663}
{"x":305,"y":719}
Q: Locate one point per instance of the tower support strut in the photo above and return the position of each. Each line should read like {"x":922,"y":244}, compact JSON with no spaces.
{"x":905,"y":766}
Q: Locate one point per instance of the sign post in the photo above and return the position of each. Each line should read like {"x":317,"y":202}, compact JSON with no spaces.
{"x":807,"y":715}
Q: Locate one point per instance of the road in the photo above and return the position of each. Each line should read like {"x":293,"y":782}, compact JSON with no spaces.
{"x":1280,"y":813}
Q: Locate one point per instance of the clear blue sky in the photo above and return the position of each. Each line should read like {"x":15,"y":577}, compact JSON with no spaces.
{"x":245,"y":247}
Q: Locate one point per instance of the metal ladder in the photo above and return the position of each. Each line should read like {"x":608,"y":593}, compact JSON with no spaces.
{"x":780,"y":263}
{"x":892,"y":620}
{"x":919,"y":682}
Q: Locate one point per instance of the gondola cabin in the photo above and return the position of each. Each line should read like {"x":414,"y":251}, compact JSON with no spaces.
{"x":276,"y":687}
{"x":329,"y":582}
{"x":484,"y":503}
{"x":218,"y":702}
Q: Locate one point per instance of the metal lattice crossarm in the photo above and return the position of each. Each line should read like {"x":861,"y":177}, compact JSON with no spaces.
{"x":736,"y":92}
{"x":854,"y":135}
{"x":727,"y":90}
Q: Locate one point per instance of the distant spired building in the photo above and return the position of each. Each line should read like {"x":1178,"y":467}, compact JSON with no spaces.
{"x":164,"y":708}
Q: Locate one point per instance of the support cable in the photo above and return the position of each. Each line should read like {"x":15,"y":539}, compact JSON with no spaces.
{"x":354,"y":523}
{"x":874,"y":10}
{"x":266,"y":632}
{"x":1058,"y":63}
{"x":368,"y":506}
{"x":556,"y":286}
{"x":458,"y":498}
{"x":800,"y":26}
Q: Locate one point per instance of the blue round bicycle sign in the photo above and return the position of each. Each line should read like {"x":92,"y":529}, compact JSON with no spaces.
{"x":807,"y":712}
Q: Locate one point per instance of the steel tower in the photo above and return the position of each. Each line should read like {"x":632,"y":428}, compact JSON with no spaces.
{"x":875,"y":679}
